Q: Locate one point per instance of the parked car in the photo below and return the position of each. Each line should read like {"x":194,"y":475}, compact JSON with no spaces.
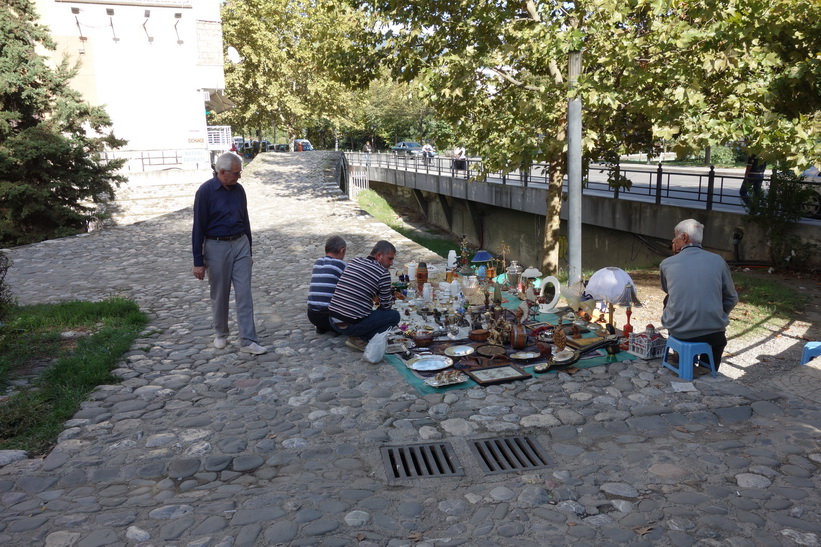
{"x":303,"y":144}
{"x":813,"y":179}
{"x":407,"y":148}
{"x":280,"y":147}
{"x":264,"y":146}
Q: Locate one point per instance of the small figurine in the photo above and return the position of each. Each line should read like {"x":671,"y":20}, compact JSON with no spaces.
{"x":559,"y":338}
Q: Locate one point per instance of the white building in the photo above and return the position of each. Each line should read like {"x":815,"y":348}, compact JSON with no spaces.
{"x":155,"y":65}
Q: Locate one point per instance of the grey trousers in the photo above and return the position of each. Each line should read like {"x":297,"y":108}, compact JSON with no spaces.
{"x":229,"y":263}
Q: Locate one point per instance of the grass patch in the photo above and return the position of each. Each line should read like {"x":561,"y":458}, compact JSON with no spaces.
{"x":763,"y":304}
{"x":381,"y":210}
{"x":32,"y":418}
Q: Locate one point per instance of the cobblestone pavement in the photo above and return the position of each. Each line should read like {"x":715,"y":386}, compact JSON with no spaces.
{"x":206,"y":447}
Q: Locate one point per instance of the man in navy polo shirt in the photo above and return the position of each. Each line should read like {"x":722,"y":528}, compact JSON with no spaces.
{"x":221,"y":241}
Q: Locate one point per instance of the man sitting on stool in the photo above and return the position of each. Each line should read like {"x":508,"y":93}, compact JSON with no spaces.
{"x":700,"y":291}
{"x":365,"y":281}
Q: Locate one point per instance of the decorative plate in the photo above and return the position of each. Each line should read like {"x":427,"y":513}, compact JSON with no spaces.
{"x":430,"y":362}
{"x":489,"y":350}
{"x":459,"y":351}
{"x":525,"y":355}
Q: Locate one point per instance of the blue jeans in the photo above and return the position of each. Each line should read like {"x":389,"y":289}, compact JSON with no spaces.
{"x":378,"y":321}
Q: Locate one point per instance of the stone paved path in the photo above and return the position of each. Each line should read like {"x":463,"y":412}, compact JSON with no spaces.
{"x":206,"y":447}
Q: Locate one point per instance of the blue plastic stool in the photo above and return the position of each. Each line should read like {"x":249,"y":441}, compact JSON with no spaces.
{"x":688,"y":352}
{"x":811,"y":349}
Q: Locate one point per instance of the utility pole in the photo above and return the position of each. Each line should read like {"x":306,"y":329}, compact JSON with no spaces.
{"x":574,"y":173}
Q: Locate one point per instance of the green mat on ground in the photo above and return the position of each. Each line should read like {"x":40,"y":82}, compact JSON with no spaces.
{"x":512,"y":303}
{"x":424,"y":389}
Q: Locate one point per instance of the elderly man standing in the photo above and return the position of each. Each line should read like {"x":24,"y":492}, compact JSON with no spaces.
{"x":221,"y":241}
{"x":324,"y":277}
{"x":364,"y":282}
{"x":700,"y":291}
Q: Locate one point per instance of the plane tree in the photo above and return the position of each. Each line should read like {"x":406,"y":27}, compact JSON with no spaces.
{"x":280,"y":76}
{"x":52,"y":173}
{"x":694,"y":72}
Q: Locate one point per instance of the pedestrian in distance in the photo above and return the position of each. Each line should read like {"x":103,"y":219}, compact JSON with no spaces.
{"x":367,"y":150}
{"x":753,"y":179}
{"x":428,"y":152}
{"x":221,"y":242}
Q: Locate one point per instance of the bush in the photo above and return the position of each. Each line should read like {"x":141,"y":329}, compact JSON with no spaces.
{"x":722,"y":155}
{"x":776,"y":211}
{"x":6,"y":298}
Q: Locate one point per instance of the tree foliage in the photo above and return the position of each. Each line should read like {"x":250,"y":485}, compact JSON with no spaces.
{"x":281,"y":77}
{"x":51,"y":174}
{"x":696,"y":72}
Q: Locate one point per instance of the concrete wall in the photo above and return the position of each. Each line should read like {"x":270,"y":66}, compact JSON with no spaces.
{"x":615,"y":232}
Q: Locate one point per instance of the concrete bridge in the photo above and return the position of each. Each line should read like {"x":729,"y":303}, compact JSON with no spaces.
{"x":633,"y":230}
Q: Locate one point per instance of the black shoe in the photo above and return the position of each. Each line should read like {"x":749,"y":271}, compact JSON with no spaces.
{"x":321,"y":330}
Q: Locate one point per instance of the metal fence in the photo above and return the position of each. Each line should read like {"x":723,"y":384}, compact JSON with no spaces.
{"x":662,"y":183}
{"x":357,"y":181}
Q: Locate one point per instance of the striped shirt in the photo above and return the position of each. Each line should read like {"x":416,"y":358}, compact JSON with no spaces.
{"x":363,"y":280}
{"x":324,"y":276}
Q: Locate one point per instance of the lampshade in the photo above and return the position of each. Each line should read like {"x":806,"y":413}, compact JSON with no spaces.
{"x":613,"y":286}
{"x":531,"y":272}
{"x":482,"y":256}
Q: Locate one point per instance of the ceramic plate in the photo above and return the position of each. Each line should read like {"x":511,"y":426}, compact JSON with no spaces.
{"x":430,"y":362}
{"x":459,"y":351}
{"x":562,"y":356}
{"x":525,"y":355}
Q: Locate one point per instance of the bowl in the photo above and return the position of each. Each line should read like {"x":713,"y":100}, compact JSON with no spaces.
{"x":479,"y":335}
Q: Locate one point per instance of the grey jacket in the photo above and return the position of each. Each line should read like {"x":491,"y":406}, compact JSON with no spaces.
{"x":700,"y":293}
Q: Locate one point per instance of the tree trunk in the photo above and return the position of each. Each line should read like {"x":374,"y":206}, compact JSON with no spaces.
{"x":552,"y":222}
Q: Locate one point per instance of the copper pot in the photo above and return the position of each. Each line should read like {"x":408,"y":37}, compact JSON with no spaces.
{"x":479,"y":335}
{"x":423,"y":339}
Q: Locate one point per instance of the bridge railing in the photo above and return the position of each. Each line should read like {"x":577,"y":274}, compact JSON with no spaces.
{"x":660,"y":184}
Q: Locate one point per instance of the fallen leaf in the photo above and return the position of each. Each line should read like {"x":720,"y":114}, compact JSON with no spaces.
{"x":272,"y":436}
{"x":415,"y":536}
{"x":680,"y":428}
{"x":360,"y":537}
{"x":641,"y":530}
{"x":572,"y":524}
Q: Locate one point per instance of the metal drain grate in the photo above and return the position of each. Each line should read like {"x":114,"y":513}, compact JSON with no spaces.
{"x":507,"y":454}
{"x":421,"y":461}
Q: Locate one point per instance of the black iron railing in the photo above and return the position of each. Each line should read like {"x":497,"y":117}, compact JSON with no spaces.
{"x":660,"y":184}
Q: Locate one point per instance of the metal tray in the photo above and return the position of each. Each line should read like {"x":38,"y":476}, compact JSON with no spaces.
{"x":524,"y":355}
{"x":429,"y":363}
{"x":433,"y":382}
{"x":459,"y":351}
